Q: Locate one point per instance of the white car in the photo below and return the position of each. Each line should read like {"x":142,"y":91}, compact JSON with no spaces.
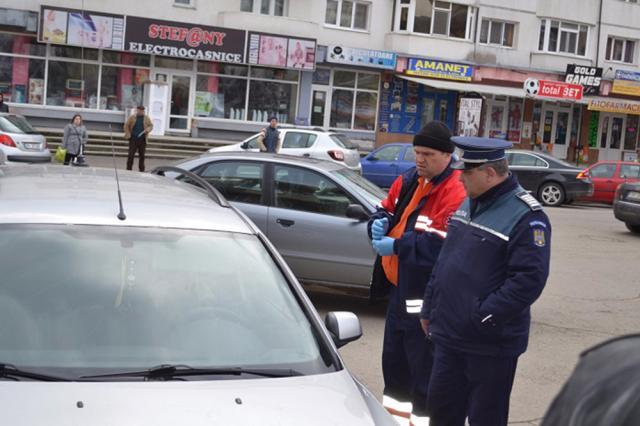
{"x":318,"y":144}
{"x":20,"y":143}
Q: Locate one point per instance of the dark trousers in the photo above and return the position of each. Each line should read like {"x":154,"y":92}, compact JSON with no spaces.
{"x":139,"y":145}
{"x":406,"y":357}
{"x":464,"y":384}
{"x":69,"y":158}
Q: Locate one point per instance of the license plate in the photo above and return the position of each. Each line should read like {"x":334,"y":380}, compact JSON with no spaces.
{"x":32,"y":145}
{"x":633,"y":196}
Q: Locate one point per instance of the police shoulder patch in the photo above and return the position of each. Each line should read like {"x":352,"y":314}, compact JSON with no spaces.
{"x":538,"y":237}
{"x":529,"y":200}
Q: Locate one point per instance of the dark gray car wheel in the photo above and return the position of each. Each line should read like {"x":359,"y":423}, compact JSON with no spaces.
{"x":633,"y":228}
{"x":551,"y":194}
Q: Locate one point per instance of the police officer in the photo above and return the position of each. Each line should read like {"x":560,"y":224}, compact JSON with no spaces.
{"x":492,"y":267}
{"x":408,"y":233}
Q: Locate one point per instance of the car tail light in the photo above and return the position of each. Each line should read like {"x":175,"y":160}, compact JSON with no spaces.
{"x":583,"y":175}
{"x":618,"y":195}
{"x":6,"y":140}
{"x":336,"y":154}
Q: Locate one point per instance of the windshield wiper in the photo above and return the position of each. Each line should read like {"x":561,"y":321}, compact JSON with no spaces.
{"x":10,"y":371}
{"x":169,"y":371}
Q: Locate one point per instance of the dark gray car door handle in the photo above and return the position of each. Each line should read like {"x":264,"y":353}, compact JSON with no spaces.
{"x":285,"y":222}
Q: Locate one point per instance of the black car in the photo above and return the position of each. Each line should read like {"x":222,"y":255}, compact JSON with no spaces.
{"x":552,"y":181}
{"x":626,"y":205}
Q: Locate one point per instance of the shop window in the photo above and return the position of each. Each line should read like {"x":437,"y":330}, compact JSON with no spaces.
{"x":22,"y":79}
{"x":121,"y":88}
{"x":563,"y":37}
{"x":368,"y":81}
{"x":497,"y":33}
{"x":344,"y":78}
{"x":220,"y":97}
{"x":620,"y":50}
{"x":268,"y":99}
{"x":631,"y":133}
{"x":341,"y":108}
{"x":435,"y":17}
{"x":122,"y":58}
{"x":365,"y":112}
{"x":322,"y":76}
{"x":74,"y":52}
{"x":173,"y":63}
{"x":72,"y":84}
{"x":354,"y":100}
{"x":515,"y":120}
{"x":347,"y":14}
{"x":275,"y":74}
{"x":225,"y":69}
{"x":265,"y":7}
{"x":21,"y":45}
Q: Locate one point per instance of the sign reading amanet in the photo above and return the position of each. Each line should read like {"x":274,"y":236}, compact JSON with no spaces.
{"x":439,"y":69}
{"x":166,"y":38}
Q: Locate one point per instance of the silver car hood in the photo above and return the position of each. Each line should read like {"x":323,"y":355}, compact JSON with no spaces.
{"x":323,"y":399}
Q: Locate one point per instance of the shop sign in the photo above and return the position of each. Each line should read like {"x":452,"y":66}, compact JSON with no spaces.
{"x":362,"y":57}
{"x":188,"y":41}
{"x":469,"y":116}
{"x":626,"y":83}
{"x":83,"y":28}
{"x":588,"y":77}
{"x":439,"y":69}
{"x":593,"y":129}
{"x":274,"y":50}
{"x":615,"y":106}
{"x":553,"y":89}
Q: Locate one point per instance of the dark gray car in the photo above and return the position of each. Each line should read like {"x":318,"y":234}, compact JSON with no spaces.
{"x":315,"y":212}
{"x":626,"y":205}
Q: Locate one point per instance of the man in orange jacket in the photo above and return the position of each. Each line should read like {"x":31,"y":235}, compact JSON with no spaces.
{"x":408,"y":232}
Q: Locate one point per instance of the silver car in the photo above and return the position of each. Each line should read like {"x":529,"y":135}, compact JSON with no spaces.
{"x":315,"y":212}
{"x":171,"y":309}
{"x":19,"y":142}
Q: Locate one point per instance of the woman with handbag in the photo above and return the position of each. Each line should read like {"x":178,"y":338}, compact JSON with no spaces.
{"x":74,"y":138}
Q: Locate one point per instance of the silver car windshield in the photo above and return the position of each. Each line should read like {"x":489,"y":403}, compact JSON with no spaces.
{"x":83,"y":299}
{"x":366,"y":189}
{"x":15,"y":124}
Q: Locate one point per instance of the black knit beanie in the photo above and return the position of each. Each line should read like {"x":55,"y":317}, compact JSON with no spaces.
{"x":435,"y":135}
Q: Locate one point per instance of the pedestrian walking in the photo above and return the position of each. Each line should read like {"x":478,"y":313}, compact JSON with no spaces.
{"x":476,"y":310}
{"x":3,"y":106}
{"x":74,"y":138}
{"x":136,"y":130}
{"x":408,"y":233}
{"x":269,"y":139}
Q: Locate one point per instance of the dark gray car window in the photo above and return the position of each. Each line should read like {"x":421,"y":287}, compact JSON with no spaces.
{"x":603,"y":171}
{"x":299,"y":140}
{"x":516,"y":159}
{"x":308,"y":191}
{"x":239,"y":181}
{"x":388,"y":153}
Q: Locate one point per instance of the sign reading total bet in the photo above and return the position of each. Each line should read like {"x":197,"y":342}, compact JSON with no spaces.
{"x":553,"y":89}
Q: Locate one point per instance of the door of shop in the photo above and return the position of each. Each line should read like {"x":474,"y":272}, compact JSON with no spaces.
{"x":611,"y":136}
{"x":180,"y":99}
{"x":320,"y":106}
{"x":555,"y":128}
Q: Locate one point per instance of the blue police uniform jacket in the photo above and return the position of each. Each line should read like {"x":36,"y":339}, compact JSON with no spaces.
{"x":493,"y":265}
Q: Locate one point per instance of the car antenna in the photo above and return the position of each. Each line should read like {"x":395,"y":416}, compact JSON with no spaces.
{"x":121,"y":214}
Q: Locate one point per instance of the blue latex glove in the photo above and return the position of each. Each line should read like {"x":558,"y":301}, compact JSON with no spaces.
{"x":384,"y":246}
{"x":379,"y":228}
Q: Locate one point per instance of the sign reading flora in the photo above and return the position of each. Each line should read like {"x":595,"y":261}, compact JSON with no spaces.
{"x":188,"y":41}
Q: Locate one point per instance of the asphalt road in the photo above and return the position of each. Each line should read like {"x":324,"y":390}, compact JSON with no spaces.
{"x":593,"y":294}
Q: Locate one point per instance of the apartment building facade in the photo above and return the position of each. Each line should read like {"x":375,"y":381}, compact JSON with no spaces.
{"x":375,"y":70}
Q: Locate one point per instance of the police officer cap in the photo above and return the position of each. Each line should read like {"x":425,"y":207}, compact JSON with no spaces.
{"x":476,"y":151}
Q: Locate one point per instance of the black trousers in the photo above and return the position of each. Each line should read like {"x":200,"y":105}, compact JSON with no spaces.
{"x":68,"y":158}
{"x":467,"y":385}
{"x":139,"y":145}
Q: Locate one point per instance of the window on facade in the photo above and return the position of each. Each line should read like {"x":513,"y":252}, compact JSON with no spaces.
{"x":22,"y":79}
{"x":265,"y":7}
{"x":563,"y":37}
{"x":183,"y":2}
{"x":434,"y":17}
{"x":267,"y":99}
{"x":620,"y":50}
{"x":220,"y":97}
{"x":497,"y":32}
{"x":354,"y":100}
{"x":74,"y":52}
{"x":348,"y":14}
{"x":72,"y":84}
{"x":122,"y":88}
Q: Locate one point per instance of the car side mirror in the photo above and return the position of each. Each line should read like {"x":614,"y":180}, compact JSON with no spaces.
{"x":356,"y":211}
{"x":245,"y":145}
{"x":344,"y":327}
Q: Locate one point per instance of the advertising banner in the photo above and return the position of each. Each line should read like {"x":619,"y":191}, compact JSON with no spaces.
{"x":361,"y":57}
{"x":83,"y":28}
{"x":588,"y":77}
{"x":281,"y":51}
{"x":182,"y":40}
{"x":615,"y":105}
{"x":553,"y":89}
{"x":439,"y":69}
{"x":469,"y":116}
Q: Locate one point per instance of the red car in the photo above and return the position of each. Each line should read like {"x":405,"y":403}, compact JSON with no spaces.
{"x":607,"y":176}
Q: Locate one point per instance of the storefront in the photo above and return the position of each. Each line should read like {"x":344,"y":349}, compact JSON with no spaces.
{"x":617,"y":135}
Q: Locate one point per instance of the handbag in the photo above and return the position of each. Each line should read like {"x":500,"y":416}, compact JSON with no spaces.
{"x":60,"y":154}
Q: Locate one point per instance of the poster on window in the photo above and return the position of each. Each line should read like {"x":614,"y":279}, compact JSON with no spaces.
{"x":496,"y":119}
{"x":515,"y":121}
{"x":36,"y":90}
{"x":469,"y":116}
{"x":281,"y":52}
{"x":81,"y":28}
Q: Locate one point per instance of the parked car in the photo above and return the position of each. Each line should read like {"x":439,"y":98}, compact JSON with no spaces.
{"x":607,"y":176}
{"x":626,"y":205}
{"x":309,"y":143}
{"x":315,"y":212}
{"x":102,"y":309}
{"x":549,"y":179}
{"x":383,"y":165}
{"x":20,"y":142}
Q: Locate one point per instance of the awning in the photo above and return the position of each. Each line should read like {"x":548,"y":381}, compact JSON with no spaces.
{"x":515,"y":92}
